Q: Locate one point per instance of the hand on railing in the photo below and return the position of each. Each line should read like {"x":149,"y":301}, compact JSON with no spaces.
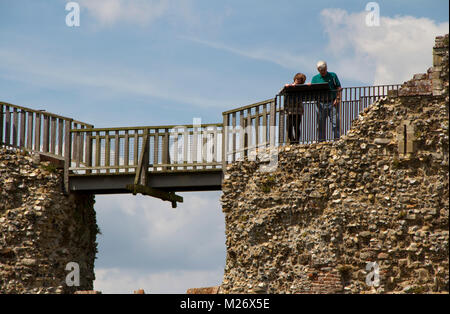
{"x":336,"y":102}
{"x":285,"y":85}
{"x":338,"y":97}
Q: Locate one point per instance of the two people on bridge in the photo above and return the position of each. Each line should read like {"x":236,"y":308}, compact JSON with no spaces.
{"x":326,"y":106}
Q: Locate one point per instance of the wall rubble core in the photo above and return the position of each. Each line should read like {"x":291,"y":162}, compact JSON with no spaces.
{"x":41,"y":229}
{"x":378,"y":195}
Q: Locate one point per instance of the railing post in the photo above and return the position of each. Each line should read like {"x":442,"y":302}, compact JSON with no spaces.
{"x":15,"y":122}
{"x":146,"y":160}
{"x":1,"y":123}
{"x":155,"y":149}
{"x":175,"y":147}
{"x":30,"y":131}
{"x":340,"y":112}
{"x":233,"y":144}
{"x":194,"y":151}
{"x":37,"y":132}
{"x":248,"y":132}
{"x":107,"y":151}
{"x":272,"y":122}
{"x":46,"y":133}
{"x":165,"y":149}
{"x":281,"y":126}
{"x":89,"y":151}
{"x":116,"y":151}
{"x":224,"y":141}
{"x":67,"y":153}
{"x":127,"y":151}
{"x":266,"y":130}
{"x":241,"y":135}
{"x":256,"y":129}
{"x":185,"y":145}
{"x":22,"y":129}
{"x":53,"y":135}
{"x":60,"y":136}
{"x":7,"y":126}
{"x":136,"y":149}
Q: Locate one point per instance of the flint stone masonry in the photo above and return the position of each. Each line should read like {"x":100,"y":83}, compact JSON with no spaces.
{"x":329,"y":209}
{"x":41,"y":229}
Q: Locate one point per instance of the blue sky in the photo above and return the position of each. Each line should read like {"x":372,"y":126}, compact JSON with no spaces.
{"x":143,"y":62}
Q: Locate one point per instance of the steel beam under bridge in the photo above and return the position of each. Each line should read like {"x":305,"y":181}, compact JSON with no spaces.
{"x":182,"y":181}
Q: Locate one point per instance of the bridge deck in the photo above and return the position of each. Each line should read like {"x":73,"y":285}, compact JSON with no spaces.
{"x":175,"y":181}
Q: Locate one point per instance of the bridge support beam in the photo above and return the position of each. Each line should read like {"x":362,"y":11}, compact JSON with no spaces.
{"x":141,"y":178}
{"x":165,"y":196}
{"x":142,"y":169}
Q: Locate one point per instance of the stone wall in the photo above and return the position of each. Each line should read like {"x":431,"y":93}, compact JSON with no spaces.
{"x":420,"y":84}
{"x":377,"y":198}
{"x":41,"y":229}
{"x":440,"y":66}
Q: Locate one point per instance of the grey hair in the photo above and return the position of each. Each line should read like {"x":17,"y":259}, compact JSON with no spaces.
{"x":321,"y":64}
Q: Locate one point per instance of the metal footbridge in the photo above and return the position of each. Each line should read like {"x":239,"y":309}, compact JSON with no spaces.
{"x":161,"y":160}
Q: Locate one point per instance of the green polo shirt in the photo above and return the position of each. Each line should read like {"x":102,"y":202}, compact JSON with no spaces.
{"x":330,"y":78}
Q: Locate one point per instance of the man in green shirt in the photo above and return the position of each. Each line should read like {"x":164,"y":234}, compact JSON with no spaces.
{"x":329,"y":108}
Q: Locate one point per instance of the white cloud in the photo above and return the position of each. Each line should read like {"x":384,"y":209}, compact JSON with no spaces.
{"x":390,"y":53}
{"x":126,"y":281}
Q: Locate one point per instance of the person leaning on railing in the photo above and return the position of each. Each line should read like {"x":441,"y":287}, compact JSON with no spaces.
{"x":294,"y":110}
{"x":329,"y":107}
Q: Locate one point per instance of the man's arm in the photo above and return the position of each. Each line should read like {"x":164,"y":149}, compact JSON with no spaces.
{"x":338,"y":96}
{"x":338,"y":92}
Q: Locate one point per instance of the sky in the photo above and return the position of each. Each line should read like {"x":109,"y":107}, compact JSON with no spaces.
{"x":166,"y":62}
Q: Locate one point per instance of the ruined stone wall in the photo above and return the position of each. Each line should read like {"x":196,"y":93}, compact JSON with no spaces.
{"x":329,"y":210}
{"x":41,"y":229}
{"x":440,"y":73}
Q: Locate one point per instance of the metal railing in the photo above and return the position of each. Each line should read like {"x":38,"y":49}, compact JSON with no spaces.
{"x":355,"y":99}
{"x":164,"y":148}
{"x":250,"y":128}
{"x":39,"y":131}
{"x":36,"y":130}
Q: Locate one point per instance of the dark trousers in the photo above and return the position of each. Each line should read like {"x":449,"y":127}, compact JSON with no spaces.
{"x":293,"y":127}
{"x":324,"y":111}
